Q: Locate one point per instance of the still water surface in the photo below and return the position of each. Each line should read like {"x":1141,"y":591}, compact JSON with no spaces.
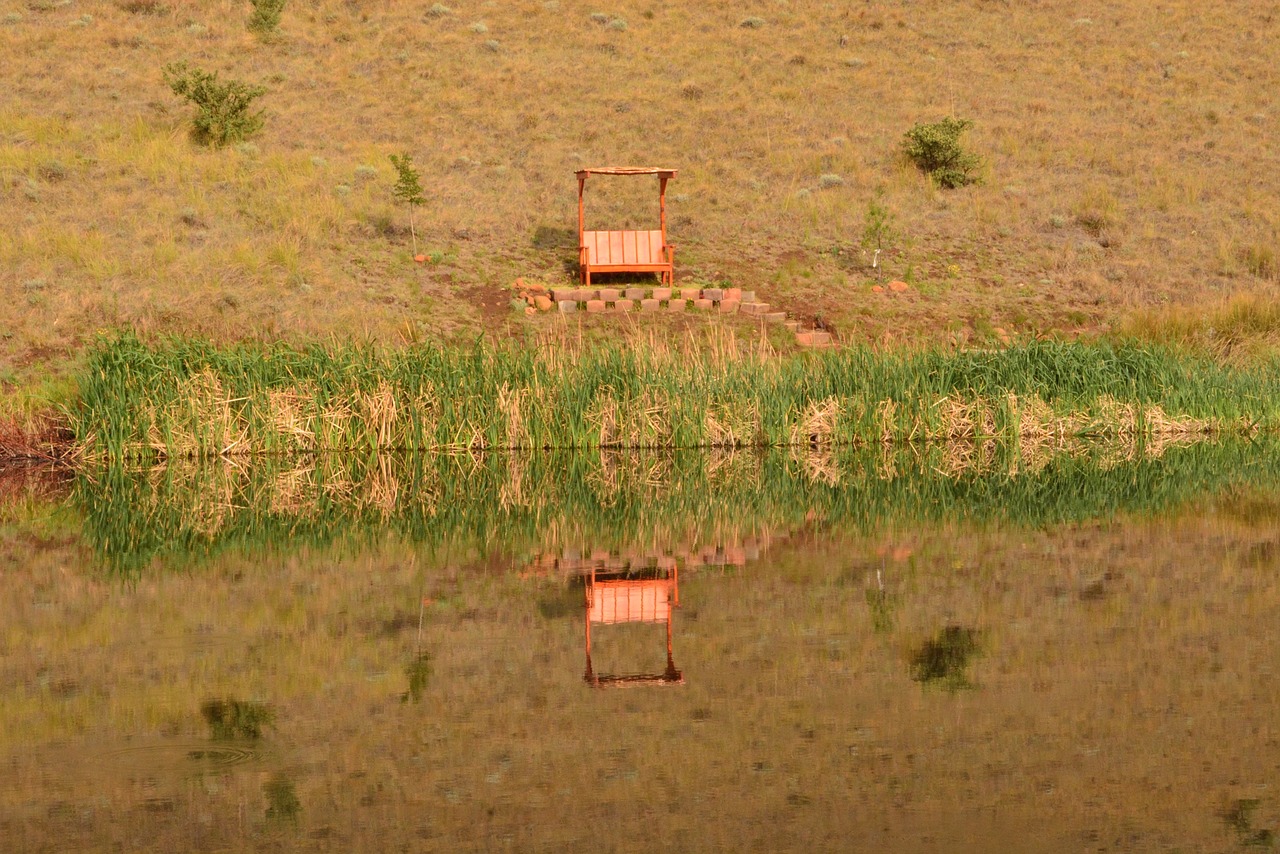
{"x":964,"y":650}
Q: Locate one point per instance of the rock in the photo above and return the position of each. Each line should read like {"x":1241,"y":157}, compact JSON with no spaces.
{"x":729,"y":306}
{"x":650,"y":304}
{"x":755,"y":308}
{"x":542,"y":302}
{"x":677,"y":305}
{"x":877,"y":289}
{"x":713,"y":294}
{"x":624,"y":305}
{"x":662,"y":294}
{"x":610,"y":294}
{"x":595,"y":306}
{"x":567,"y":306}
{"x":421,"y":259}
{"x":703,"y":303}
{"x":634,"y":293}
{"x":898,"y":286}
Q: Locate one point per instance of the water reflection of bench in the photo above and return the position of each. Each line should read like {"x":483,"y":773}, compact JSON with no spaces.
{"x":623,"y":598}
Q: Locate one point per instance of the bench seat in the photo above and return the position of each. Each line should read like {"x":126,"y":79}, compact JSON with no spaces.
{"x":625,"y":252}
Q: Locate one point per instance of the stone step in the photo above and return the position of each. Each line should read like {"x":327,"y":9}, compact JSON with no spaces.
{"x":814,"y":339}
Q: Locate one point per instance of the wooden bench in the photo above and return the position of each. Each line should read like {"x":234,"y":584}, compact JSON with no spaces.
{"x":626,"y":251}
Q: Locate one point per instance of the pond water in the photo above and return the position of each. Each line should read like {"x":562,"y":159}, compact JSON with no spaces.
{"x":946,"y":649}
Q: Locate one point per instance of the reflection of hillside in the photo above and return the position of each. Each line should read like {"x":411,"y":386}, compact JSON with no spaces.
{"x":711,"y":508}
{"x":796,"y":684}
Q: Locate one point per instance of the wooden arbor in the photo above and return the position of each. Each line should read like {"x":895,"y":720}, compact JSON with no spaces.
{"x":626,"y":251}
{"x":632,"y":600}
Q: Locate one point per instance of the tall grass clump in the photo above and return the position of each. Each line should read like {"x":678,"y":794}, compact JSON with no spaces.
{"x":184,"y":397}
{"x":1244,"y":329}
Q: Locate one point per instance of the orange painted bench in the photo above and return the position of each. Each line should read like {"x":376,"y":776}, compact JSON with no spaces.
{"x":626,"y":251}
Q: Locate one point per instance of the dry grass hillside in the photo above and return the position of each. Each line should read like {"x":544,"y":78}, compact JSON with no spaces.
{"x":1129,"y":152}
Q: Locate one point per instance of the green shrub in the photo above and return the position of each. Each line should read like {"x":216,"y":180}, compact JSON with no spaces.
{"x":935,"y":148}
{"x":265,"y":16}
{"x":223,"y":109}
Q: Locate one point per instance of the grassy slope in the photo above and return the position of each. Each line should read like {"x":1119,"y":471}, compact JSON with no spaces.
{"x":1122,"y":143}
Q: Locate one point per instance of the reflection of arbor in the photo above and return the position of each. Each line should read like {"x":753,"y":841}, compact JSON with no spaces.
{"x":620,"y":597}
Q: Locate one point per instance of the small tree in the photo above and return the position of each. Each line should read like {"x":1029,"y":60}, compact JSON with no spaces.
{"x":223,"y":111}
{"x":265,"y":16}
{"x":935,"y":148}
{"x":408,"y":189}
{"x":877,"y":230}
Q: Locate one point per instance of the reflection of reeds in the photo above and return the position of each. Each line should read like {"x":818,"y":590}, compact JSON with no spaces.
{"x":619,"y":499}
{"x":190,"y":399}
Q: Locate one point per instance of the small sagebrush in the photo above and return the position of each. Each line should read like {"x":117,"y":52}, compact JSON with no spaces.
{"x":935,"y":148}
{"x":265,"y":17}
{"x":224,"y":110}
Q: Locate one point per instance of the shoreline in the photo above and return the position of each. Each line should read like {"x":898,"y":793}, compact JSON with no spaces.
{"x":186,"y":398}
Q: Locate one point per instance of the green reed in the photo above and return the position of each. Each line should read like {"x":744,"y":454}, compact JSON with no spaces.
{"x":190,"y":398}
{"x":515,"y":504}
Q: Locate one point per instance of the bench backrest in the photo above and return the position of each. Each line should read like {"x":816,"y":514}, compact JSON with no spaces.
{"x":619,"y":248}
